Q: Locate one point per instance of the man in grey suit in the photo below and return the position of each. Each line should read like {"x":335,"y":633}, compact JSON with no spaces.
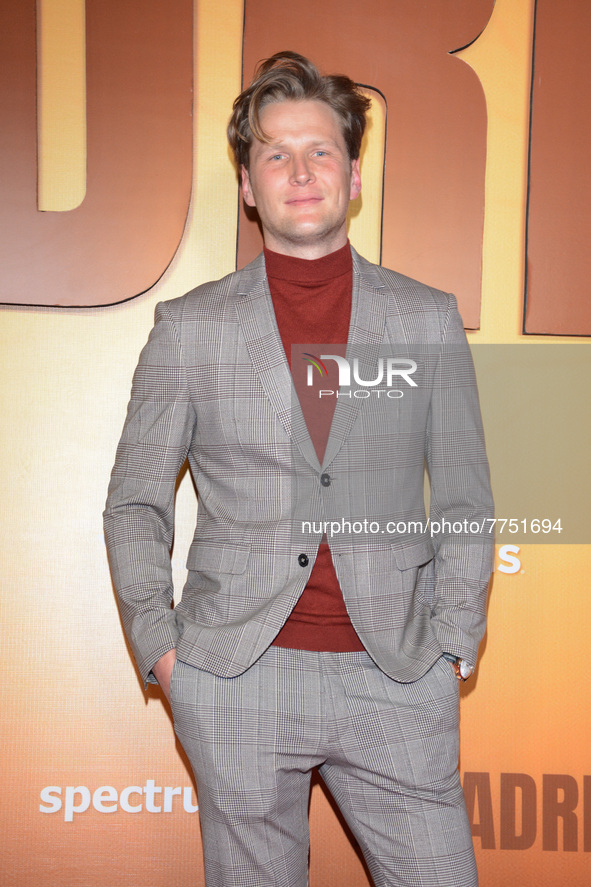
{"x":325,"y":621}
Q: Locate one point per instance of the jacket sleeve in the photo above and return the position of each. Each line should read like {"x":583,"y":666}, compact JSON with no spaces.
{"x":139,"y":515}
{"x":461,"y":499}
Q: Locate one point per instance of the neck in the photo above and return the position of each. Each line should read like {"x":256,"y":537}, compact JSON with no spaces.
{"x":315,"y":249}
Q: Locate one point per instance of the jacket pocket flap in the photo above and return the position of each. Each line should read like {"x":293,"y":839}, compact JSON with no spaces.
{"x":421,"y":552}
{"x":219,"y":557}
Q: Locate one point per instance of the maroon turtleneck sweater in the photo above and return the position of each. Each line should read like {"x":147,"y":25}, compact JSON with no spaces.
{"x":312,"y":301}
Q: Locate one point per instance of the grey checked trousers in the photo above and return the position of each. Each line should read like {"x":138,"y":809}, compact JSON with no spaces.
{"x":387,"y":751}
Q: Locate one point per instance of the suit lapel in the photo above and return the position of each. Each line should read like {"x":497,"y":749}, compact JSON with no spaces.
{"x":259,"y":326}
{"x":366,"y":337}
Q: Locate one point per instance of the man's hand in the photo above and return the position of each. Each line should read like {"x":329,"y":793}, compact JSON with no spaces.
{"x":163,"y":670}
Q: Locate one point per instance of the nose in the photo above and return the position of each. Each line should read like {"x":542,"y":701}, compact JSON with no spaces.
{"x":301,"y":171}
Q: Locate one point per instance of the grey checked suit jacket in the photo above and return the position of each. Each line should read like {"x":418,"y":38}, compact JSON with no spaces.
{"x":213,"y":384}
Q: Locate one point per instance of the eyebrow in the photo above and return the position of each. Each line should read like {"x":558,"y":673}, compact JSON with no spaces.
{"x":276,"y":146}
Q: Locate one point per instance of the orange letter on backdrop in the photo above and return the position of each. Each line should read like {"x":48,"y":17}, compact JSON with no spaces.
{"x":561,"y":796}
{"x":479,"y":803}
{"x":559,"y":207}
{"x":513,"y":838}
{"x":122,"y":237}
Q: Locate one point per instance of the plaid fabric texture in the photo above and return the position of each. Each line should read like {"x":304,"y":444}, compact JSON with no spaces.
{"x":387,"y":751}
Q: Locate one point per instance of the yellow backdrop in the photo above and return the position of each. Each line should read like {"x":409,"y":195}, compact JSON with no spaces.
{"x":94,"y":792}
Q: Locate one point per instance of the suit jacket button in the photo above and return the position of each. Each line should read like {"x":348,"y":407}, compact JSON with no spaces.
{"x":325,"y":479}
{"x":303,"y":560}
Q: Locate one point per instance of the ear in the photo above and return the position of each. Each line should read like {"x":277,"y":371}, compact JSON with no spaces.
{"x":355,"y":180}
{"x":246,"y":188}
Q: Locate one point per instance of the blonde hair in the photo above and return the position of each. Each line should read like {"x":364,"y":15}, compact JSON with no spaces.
{"x":288,"y":76}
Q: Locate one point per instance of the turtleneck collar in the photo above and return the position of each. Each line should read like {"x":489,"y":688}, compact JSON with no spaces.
{"x":305,"y":272}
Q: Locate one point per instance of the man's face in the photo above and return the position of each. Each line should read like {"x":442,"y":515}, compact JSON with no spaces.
{"x":302,"y":180}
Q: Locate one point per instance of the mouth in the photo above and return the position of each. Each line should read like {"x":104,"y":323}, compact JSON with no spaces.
{"x":303,"y":201}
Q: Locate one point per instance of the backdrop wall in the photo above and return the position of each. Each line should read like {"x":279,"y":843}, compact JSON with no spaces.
{"x":94,"y":792}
